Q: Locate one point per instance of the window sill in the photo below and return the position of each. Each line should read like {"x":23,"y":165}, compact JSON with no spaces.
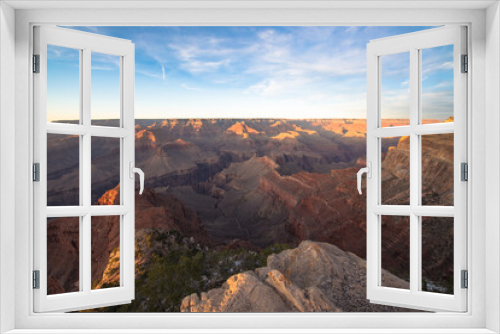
{"x":252,"y":331}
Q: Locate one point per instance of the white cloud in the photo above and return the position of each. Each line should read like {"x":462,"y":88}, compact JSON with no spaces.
{"x":273,"y":37}
{"x":199,"y":55}
{"x":94,"y":29}
{"x":286,"y":68}
{"x":443,"y":85}
{"x":150,"y":74}
{"x":189,"y":87}
{"x":437,"y":67}
{"x":163,"y":75}
{"x":267,"y":87}
{"x":101,"y":61}
{"x":103,"y":67}
{"x":276,"y":86}
{"x":197,"y":66}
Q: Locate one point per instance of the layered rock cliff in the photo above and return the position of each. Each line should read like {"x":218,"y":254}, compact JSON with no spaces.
{"x":314,"y":277}
{"x":242,"y":186}
{"x":153,"y":211}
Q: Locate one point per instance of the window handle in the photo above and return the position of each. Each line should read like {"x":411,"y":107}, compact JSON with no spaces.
{"x":141,"y":176}
{"x":368,"y":171}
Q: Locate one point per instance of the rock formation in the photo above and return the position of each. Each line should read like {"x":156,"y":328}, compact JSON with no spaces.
{"x":242,"y":189}
{"x":314,"y":277}
{"x":153,"y":211}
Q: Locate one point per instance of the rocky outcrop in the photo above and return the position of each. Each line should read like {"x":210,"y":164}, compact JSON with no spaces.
{"x":152,"y":211}
{"x":314,"y":277}
{"x":110,"y":197}
{"x":145,"y":136}
{"x":258,"y":190}
{"x":241,"y":293}
{"x":241,"y":129}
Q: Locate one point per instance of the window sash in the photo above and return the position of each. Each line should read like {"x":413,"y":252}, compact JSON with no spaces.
{"x":85,"y":298}
{"x":414,"y":298}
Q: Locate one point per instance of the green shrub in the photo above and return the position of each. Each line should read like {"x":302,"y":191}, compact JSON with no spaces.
{"x":180,"y":268}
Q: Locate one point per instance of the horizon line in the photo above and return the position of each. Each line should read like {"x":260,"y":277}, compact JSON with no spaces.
{"x":246,"y":118}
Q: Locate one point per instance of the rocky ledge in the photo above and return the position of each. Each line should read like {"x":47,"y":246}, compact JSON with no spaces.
{"x":314,"y":277}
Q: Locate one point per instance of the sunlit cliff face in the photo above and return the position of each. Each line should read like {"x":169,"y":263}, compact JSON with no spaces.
{"x":230,"y":189}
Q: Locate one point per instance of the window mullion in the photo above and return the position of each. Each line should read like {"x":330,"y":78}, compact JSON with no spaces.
{"x":81,"y":240}
{"x":414,"y":170}
{"x":86,"y":160}
{"x":86,"y":150}
{"x":85,"y":250}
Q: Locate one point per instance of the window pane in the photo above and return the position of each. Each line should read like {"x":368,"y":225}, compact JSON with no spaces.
{"x":396,"y":251}
{"x":395,"y":89}
{"x":63,"y":84}
{"x":437,"y":84}
{"x":437,"y":169}
{"x":63,"y":255}
{"x":63,"y":170}
{"x":105,"y":171}
{"x":105,"y":101}
{"x":105,"y":252}
{"x":395,"y":176}
{"x":437,"y":254}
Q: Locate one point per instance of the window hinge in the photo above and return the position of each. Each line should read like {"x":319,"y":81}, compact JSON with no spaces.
{"x":465,"y":279}
{"x":464,"y":167}
{"x":36,"y":279}
{"x":36,"y":63}
{"x":36,"y":172}
{"x":465,"y":64}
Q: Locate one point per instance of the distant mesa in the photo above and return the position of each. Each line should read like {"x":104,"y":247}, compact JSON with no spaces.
{"x":278,"y":123}
{"x":344,"y":127}
{"x":241,"y":129}
{"x":390,"y":122}
{"x":354,"y":134}
{"x":196,"y":124}
{"x":169,"y":123}
{"x":287,"y":135}
{"x":145,"y":134}
{"x":153,"y":126}
{"x":299,"y":129}
{"x":179,"y":144}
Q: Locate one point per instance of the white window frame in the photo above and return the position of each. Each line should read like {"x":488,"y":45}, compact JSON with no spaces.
{"x":413,"y":43}
{"x":86,"y":44}
{"x":484,"y":266}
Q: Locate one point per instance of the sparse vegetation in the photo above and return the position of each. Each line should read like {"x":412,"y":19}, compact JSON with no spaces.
{"x":443,"y":286}
{"x":176,"y":266}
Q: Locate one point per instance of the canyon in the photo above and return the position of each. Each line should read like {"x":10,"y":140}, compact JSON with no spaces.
{"x":232,"y":189}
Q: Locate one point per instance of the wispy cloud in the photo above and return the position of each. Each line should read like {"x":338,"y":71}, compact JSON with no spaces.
{"x":276,"y":86}
{"x":197,"y":66}
{"x":245,"y":71}
{"x":102,"y":67}
{"x":151,"y":74}
{"x":189,"y":87}
{"x":288,"y":58}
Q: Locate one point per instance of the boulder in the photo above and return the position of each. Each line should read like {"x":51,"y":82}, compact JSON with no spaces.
{"x":314,"y":277}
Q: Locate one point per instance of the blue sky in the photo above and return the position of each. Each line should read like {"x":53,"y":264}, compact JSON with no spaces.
{"x":253,"y":72}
